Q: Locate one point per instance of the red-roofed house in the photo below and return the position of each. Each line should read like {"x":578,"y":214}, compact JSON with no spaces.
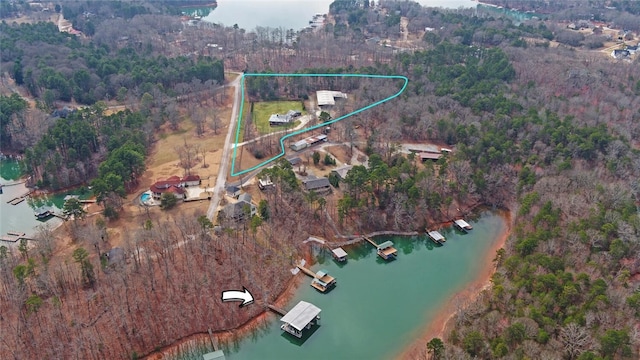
{"x":191,"y":180}
{"x":172,"y":185}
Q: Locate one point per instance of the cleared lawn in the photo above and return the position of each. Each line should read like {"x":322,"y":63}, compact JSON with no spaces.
{"x":263,"y":110}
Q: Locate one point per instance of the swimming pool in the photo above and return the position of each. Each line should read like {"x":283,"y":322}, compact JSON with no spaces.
{"x":145,"y":197}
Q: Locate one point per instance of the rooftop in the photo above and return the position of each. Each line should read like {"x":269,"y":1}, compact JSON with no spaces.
{"x":462,"y":223}
{"x":342,"y":171}
{"x":301,"y":314}
{"x":216,"y":355}
{"x":339,"y":252}
{"x":327,"y":97}
{"x":316,"y":183}
{"x":385,"y":245}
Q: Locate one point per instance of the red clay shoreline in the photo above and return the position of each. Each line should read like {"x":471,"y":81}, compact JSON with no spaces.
{"x":433,"y":329}
{"x":437,"y":327}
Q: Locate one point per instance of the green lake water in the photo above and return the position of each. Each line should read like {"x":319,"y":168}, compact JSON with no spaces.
{"x":378,"y":308}
{"x":21,"y":217}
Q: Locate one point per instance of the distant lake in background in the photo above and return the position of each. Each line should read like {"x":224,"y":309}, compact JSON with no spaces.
{"x":290,"y":14}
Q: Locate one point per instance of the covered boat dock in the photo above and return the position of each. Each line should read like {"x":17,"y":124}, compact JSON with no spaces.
{"x":436,"y":237}
{"x":387,"y":251}
{"x":303,"y":316}
{"x":339,"y":254}
{"x":462,"y":225}
{"x":322,"y":281}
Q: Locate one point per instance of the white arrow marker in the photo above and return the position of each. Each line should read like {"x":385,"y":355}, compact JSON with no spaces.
{"x":235,"y":295}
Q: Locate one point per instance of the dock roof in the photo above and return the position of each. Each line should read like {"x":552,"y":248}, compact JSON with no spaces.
{"x":436,"y":235}
{"x":301,"y":314}
{"x":385,"y":245}
{"x":216,"y":355}
{"x":339,"y":252}
{"x":462,"y":223}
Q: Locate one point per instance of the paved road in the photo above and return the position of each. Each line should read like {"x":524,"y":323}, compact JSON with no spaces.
{"x":224,"y":162}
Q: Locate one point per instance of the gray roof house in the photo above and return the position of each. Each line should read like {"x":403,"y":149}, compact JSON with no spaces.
{"x":240,"y":210}
{"x":233,"y":191}
{"x":342,"y":171}
{"x":317,"y":185}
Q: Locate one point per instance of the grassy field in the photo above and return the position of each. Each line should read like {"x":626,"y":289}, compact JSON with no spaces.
{"x":263,"y":110}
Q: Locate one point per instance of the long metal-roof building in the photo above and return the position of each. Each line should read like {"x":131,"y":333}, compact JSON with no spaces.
{"x":327,"y":97}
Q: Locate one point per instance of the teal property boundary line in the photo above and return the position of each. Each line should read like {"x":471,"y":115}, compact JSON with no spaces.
{"x":282,"y":139}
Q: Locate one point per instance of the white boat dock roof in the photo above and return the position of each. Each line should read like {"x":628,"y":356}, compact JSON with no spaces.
{"x":436,"y":236}
{"x":463,"y":224}
{"x":339,"y":252}
{"x":301,"y":314}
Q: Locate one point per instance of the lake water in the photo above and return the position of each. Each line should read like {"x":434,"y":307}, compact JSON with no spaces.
{"x":289,"y":14}
{"x":20,"y":217}
{"x":378,"y":308}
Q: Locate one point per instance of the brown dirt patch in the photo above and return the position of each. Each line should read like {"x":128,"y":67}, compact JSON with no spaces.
{"x":340,"y":152}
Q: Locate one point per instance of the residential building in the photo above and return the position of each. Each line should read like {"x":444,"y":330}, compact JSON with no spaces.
{"x":191,"y":180}
{"x":317,"y":185}
{"x":233,"y":191}
{"x":240,"y":210}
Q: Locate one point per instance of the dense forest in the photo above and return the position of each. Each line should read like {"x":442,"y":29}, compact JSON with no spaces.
{"x":546,"y":132}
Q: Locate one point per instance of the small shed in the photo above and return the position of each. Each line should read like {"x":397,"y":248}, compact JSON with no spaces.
{"x":339,"y":254}
{"x":303,"y":316}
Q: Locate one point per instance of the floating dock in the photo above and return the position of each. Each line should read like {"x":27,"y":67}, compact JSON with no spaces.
{"x":339,"y":254}
{"x":18,"y":199}
{"x":322,"y":281}
{"x":462,"y":225}
{"x":14,"y":236}
{"x":436,"y":237}
{"x":303,"y":316}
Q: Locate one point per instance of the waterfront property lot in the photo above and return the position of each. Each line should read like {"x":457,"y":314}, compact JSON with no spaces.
{"x":263,"y":110}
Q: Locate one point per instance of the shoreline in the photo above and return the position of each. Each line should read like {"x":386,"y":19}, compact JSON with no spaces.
{"x":437,"y":327}
{"x":228,"y":336}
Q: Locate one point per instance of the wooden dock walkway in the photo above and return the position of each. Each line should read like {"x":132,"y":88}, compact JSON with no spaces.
{"x":371,"y":242}
{"x":307,"y":271}
{"x":276,"y":310}
{"x":61,"y":216}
